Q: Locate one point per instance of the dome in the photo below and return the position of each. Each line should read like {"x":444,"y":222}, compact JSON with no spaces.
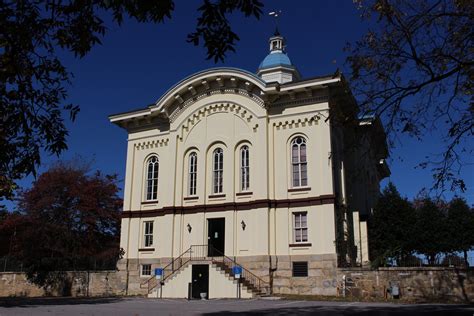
{"x":275,"y":59}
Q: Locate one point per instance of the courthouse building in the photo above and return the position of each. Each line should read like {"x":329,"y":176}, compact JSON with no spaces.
{"x":268,"y":175}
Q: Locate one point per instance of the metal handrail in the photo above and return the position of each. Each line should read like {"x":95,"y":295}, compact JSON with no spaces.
{"x":200,"y":253}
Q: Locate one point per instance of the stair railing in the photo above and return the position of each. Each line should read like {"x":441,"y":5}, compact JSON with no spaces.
{"x":248,"y":278}
{"x":207,"y":253}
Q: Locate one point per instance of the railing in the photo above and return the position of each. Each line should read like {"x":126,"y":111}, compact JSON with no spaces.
{"x":207,"y":253}
{"x":248,"y":277}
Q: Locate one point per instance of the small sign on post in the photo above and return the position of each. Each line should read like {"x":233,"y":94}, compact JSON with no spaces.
{"x":158,"y":273}
{"x":237,"y":271}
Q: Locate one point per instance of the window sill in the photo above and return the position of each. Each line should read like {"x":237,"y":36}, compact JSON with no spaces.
{"x":244,"y":193}
{"x":145,"y":276}
{"x":299,"y":189}
{"x":215,"y":196}
{"x":146,"y":249}
{"x":302,"y":244}
{"x":150,"y":202}
{"x":190,"y":198}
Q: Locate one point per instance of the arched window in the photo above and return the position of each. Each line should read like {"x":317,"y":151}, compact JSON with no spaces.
{"x":244,"y":168}
{"x":192,"y":173}
{"x":217,"y":170}
{"x":298,"y":162}
{"x":152,"y":178}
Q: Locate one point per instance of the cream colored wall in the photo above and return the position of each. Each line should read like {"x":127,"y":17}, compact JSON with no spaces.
{"x":321,"y":230}
{"x":220,"y":286}
{"x":228,"y":121}
{"x":177,"y":287}
{"x":364,"y":241}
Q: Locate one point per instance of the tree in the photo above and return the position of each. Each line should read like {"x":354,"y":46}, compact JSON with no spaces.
{"x":431,"y":229}
{"x":415,"y":70}
{"x":33,"y":80}
{"x":461,"y":227}
{"x":391,"y":228}
{"x":73,"y":220}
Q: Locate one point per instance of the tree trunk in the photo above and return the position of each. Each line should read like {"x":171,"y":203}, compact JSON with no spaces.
{"x":466,"y":261}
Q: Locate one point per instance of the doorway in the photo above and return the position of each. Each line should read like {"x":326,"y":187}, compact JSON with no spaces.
{"x":200,"y":280}
{"x":216,"y":237}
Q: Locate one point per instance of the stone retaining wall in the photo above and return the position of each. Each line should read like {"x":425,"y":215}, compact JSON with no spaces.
{"x":441,"y":284}
{"x":101,"y":283}
{"x":446,"y":284}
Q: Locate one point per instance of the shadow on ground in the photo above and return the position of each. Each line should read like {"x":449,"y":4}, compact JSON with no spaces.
{"x":355,"y":310}
{"x":44,"y":301}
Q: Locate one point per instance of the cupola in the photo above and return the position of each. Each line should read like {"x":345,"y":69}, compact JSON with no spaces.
{"x":276,"y":66}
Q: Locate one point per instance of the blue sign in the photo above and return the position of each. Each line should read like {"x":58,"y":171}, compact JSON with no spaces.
{"x":237,"y":270}
{"x":159,"y":271}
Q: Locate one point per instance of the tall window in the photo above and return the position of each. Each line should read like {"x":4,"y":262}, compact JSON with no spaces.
{"x":192,"y":173}
{"x":298,"y":162}
{"x":300,"y":227}
{"x":152,"y":178}
{"x":244,"y":168}
{"x":148,"y":234}
{"x":218,"y":170}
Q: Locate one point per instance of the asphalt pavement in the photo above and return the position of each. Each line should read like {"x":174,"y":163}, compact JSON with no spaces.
{"x":145,"y":306}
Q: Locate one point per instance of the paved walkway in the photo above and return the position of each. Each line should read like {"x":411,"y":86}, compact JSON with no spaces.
{"x":143,"y":306}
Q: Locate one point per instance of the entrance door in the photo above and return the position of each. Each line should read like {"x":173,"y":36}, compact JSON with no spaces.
{"x":215,"y":236}
{"x":200,"y":280}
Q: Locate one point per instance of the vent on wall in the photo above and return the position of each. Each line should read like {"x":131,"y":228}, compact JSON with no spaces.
{"x":300,"y":269}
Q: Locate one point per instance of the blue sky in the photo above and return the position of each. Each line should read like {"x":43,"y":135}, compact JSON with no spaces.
{"x":137,"y":63}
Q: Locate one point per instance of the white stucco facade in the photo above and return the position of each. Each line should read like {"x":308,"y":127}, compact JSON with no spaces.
{"x":226,"y":109}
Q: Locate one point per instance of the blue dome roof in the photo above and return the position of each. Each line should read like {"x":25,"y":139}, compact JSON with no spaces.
{"x":275,"y":59}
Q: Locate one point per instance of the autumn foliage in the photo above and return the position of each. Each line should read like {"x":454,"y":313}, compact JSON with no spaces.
{"x":68,"y":220}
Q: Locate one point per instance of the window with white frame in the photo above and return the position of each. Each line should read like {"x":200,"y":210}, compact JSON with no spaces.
{"x":300,"y":227}
{"x":148,"y":234}
{"x":152,"y":178}
{"x":244,"y":168}
{"x":298,"y":162}
{"x":217,"y":170}
{"x":145,"y":270}
{"x":192,"y":173}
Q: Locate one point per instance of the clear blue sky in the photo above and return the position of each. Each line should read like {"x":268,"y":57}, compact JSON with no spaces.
{"x":137,"y":63}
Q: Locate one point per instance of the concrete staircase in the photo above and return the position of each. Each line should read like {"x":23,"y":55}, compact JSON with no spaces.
{"x":222,"y":284}
{"x":220,"y":263}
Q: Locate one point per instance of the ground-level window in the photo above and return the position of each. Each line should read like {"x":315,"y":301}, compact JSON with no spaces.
{"x":300,"y":227}
{"x":300,"y":268}
{"x":145,"y":270}
{"x":148,"y":234}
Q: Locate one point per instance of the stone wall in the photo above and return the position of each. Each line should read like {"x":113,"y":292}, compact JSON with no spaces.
{"x":81,"y":283}
{"x":321,"y":280}
{"x":445,"y":284}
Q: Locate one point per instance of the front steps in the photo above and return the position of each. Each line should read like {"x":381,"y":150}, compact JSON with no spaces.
{"x":221,"y":284}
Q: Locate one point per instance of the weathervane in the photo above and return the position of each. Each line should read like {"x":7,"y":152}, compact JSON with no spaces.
{"x":276,"y":14}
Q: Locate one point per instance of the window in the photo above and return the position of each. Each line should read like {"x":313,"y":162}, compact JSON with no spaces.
{"x":244,"y":168}
{"x":298,"y":162}
{"x":192,"y":173}
{"x":218,"y":170}
{"x":301,"y":227}
{"x":152,"y":178}
{"x":148,"y":234}
{"x":145,"y":269}
{"x":300,"y":268}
